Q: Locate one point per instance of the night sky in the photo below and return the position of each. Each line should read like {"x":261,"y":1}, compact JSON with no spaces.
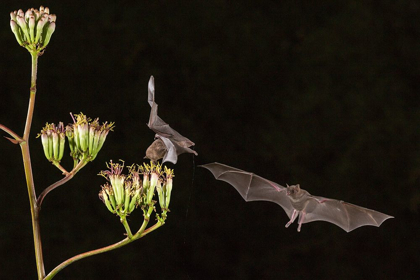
{"x":326,"y":95}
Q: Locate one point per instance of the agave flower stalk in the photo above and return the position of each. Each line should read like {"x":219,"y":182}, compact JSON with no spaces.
{"x":23,"y":27}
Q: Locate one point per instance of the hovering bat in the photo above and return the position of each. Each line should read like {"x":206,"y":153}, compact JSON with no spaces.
{"x":296,"y":201}
{"x":169,"y":143}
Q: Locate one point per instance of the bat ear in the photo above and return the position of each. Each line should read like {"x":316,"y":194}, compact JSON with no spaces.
{"x":298,"y":186}
{"x":287,"y":185}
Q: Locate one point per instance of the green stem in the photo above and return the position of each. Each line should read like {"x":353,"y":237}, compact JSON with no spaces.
{"x":142,"y":232}
{"x":127,"y":227}
{"x":64,"y":264}
{"x":32,"y":97}
{"x":62,"y":169}
{"x":28,"y":172}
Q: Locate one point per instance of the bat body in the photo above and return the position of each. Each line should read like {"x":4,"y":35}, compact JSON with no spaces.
{"x":297,"y":202}
{"x":174,"y":143}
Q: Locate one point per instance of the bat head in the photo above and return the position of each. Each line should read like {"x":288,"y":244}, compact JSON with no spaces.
{"x":293,"y":190}
{"x":156,"y":151}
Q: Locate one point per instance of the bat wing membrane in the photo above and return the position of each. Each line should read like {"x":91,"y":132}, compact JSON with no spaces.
{"x":250,"y":186}
{"x":345,"y":215}
{"x":175,"y":143}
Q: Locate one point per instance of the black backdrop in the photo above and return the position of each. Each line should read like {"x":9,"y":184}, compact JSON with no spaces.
{"x":325,"y":95}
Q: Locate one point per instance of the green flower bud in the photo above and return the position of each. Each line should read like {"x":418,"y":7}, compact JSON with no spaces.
{"x":104,"y":195}
{"x":160,"y":191}
{"x":150,"y":191}
{"x":111,"y":196}
{"x":50,"y":144}
{"x":37,"y":15}
{"x":91,"y":138}
{"x":56,"y":144}
{"x":70,"y":137}
{"x":50,"y":31}
{"x":117,"y":182}
{"x":32,"y":27}
{"x":22,"y":24}
{"x":16,"y":31}
{"x":28,"y":14}
{"x":134,"y":200}
{"x":39,"y":28}
{"x":83,"y":130}
{"x":62,"y":145}
{"x":13,"y":16}
{"x":127,"y":195}
{"x":168,"y":188}
{"x":45,"y":145}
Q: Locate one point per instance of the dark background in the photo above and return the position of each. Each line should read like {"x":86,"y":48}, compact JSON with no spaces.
{"x":322,"y":94}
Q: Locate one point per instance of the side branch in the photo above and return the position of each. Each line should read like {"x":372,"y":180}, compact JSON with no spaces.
{"x":67,"y":178}
{"x":64,"y":264}
{"x":11,"y":133}
{"x":52,"y":187}
{"x":117,"y":245}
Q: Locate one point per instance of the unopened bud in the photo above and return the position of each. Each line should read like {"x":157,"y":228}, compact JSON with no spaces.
{"x":16,"y":31}
{"x":32,"y":27}
{"x":45,"y":145}
{"x":13,"y":16}
{"x":50,"y":31}
{"x":168,"y":188}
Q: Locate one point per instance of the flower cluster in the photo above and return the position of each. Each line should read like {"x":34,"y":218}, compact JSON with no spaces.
{"x":86,"y":137}
{"x":53,"y":141}
{"x":33,"y":29}
{"x":123,"y":193}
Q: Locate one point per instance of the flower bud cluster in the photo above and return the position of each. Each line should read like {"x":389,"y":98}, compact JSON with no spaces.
{"x":33,"y":29}
{"x":86,"y":137}
{"x":53,"y":141}
{"x":123,"y":193}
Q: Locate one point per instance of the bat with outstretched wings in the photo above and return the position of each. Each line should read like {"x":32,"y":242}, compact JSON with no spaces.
{"x":297,"y":202}
{"x":168,"y":142}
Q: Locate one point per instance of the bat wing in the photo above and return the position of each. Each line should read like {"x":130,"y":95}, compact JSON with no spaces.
{"x":345,"y":215}
{"x":170,"y":154}
{"x":176,"y":144}
{"x":250,"y":186}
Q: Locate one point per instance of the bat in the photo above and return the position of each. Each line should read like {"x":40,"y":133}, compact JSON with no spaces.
{"x":169,"y":143}
{"x":296,"y":201}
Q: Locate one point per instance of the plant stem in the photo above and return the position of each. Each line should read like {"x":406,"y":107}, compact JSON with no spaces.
{"x":142,"y":232}
{"x":11,"y":133}
{"x":32,"y":97}
{"x":28,"y":172}
{"x":67,"y":178}
{"x":127,"y":227}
